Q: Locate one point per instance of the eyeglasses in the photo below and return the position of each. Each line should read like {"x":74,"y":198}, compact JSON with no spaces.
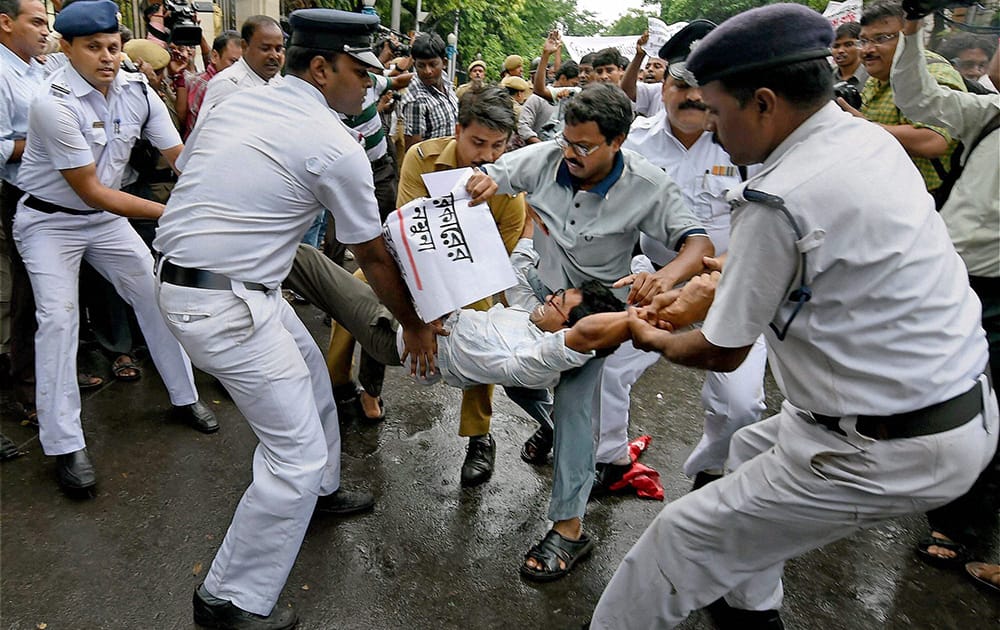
{"x":878,"y":40}
{"x":969,"y":64}
{"x":558,"y":294}
{"x":580,"y":149}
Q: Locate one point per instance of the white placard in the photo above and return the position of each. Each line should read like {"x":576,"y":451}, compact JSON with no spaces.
{"x":659,"y":34}
{"x":843,"y":12}
{"x":450,"y":254}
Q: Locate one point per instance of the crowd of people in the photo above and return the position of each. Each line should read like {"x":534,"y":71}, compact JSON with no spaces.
{"x":717,"y":202}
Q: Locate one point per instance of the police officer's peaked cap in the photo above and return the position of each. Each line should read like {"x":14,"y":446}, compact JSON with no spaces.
{"x":87,"y":18}
{"x":333,"y":30}
{"x":767,"y":37}
{"x":678,"y":47}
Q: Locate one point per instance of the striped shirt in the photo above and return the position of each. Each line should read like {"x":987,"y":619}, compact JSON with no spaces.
{"x":878,"y":106}
{"x":428,"y":112}
{"x":367,"y":126}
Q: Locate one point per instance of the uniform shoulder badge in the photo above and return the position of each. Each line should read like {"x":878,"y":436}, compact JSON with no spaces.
{"x":60,"y":90}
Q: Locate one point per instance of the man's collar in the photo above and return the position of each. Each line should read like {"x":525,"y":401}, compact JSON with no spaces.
{"x":448,"y":158}
{"x":82,"y":87}
{"x":565,"y":179}
{"x":823,"y":116}
{"x":306,"y":88}
{"x":9,"y":58}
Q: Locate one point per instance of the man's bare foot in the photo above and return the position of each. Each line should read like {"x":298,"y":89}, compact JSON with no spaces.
{"x":939,"y":549}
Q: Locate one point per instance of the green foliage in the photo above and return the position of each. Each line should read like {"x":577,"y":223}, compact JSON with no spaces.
{"x":632,"y":23}
{"x":717,"y":10}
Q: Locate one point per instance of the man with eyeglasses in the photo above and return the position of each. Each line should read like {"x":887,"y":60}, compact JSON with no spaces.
{"x":970,"y":54}
{"x":592,"y":200}
{"x":847,"y":55}
{"x":929,"y":147}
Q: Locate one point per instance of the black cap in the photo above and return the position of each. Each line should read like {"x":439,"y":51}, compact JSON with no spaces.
{"x":333,"y":30}
{"x":765,"y":37}
{"x":676,"y":50}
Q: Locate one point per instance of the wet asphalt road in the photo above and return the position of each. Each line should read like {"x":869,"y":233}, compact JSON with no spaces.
{"x":431,"y":555}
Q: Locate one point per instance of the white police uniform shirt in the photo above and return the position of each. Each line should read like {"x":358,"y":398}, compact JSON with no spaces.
{"x":234,"y":78}
{"x":249,"y":226}
{"x":892,"y":325}
{"x":78,"y":126}
{"x":20,"y":82}
{"x":704,"y":173}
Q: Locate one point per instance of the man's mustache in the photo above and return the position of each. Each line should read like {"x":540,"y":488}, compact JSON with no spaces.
{"x":693,"y":105}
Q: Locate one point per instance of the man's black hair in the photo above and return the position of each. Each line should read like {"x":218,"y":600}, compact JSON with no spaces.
{"x":126,"y":33}
{"x":427,"y":46}
{"x":588,"y":59}
{"x":881,"y":9}
{"x":222,"y":40}
{"x":10,"y":8}
{"x":848,"y":29}
{"x":569,"y":70}
{"x":597,"y":298}
{"x":607,"y":57}
{"x":253,"y":23}
{"x":490,"y":106}
{"x":603,"y":103}
{"x":968,"y":41}
{"x":147,"y":11}
{"x":804,"y":85}
{"x":297,"y":58}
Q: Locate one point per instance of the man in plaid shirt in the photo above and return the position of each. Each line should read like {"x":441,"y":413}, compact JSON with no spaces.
{"x":226,"y":51}
{"x":429,"y":107}
{"x":926,"y":145}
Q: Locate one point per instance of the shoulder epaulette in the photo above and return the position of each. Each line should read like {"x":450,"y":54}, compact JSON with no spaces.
{"x":60,"y":90}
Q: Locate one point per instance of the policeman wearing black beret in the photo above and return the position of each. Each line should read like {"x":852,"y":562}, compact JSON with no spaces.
{"x":838,"y":257}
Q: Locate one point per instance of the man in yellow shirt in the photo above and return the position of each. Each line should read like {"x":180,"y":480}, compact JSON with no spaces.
{"x":485,"y":122}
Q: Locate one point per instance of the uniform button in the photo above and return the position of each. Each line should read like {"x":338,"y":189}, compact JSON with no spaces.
{"x":577,"y":205}
{"x":572,"y":222}
{"x":186,"y":318}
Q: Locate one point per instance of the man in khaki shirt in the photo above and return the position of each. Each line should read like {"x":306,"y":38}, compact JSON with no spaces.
{"x":485,"y":122}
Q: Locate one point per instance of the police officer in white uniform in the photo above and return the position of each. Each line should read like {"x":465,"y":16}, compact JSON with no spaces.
{"x":674,"y":139}
{"x":258,"y":168}
{"x":872,"y":332}
{"x":80,"y":132}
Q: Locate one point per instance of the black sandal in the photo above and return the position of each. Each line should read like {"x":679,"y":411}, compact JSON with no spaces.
{"x":957,"y":561}
{"x":536,"y":449}
{"x":550,"y":550}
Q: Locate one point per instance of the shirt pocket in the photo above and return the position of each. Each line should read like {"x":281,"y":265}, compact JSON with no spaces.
{"x":121,"y":138}
{"x":713,"y":193}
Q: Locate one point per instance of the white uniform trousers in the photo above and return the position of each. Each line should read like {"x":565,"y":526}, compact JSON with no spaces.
{"x":52,"y":246}
{"x":731,"y":401}
{"x":795,"y":486}
{"x":262,"y":353}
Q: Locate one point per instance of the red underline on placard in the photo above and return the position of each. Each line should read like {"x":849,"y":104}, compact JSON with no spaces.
{"x":409,"y":253}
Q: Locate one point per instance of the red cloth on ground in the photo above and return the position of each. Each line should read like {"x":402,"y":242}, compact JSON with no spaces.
{"x":642,"y":478}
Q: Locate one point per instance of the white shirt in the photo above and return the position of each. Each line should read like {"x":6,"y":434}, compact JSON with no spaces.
{"x":972,"y":212}
{"x":236,"y":77}
{"x":704,"y":173}
{"x":71,"y":125}
{"x":256,"y":171}
{"x":20,"y":82}
{"x":648,"y":98}
{"x":892,"y":325}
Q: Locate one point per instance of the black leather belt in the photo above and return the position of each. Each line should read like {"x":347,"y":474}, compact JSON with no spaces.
{"x":50,"y":208}
{"x":937,"y":418}
{"x":200,"y":279}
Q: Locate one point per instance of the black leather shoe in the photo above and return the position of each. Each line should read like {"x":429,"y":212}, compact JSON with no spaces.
{"x":75,"y":472}
{"x":345,"y":502}
{"x":478,"y":465}
{"x":728,"y":618}
{"x":199,"y":416}
{"x":348,"y":400}
{"x":225,"y":616}
{"x":606,"y":476}
{"x":704,"y":478}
